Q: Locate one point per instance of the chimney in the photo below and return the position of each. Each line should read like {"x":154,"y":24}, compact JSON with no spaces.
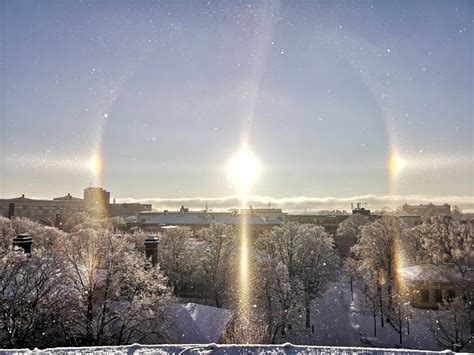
{"x":11,"y":210}
{"x":23,"y":241}
{"x":151,"y":249}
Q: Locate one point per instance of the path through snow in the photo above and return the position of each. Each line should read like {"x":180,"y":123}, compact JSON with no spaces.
{"x":332,"y":318}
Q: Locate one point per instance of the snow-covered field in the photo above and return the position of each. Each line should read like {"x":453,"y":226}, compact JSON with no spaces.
{"x":220,"y":349}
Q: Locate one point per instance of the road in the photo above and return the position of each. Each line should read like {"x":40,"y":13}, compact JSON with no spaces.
{"x":332,"y":318}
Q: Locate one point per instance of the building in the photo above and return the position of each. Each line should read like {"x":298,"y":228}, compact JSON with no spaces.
{"x":429,"y":285}
{"x":96,"y":196}
{"x":37,"y":209}
{"x":426,"y":211}
{"x":360,"y":210}
{"x":268,"y":213}
{"x":194,"y":323}
{"x":157,"y":221}
{"x":328,"y":222}
{"x":127,"y":209}
{"x":144,"y":216}
{"x":96,"y":201}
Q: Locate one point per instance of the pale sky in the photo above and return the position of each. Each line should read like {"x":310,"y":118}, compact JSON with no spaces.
{"x":323,"y":93}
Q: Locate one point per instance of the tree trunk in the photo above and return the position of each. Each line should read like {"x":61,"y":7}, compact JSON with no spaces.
{"x":308,"y":314}
{"x":352,"y":290}
{"x":90,"y":319}
{"x":275,"y":332}
{"x":375,"y":322}
{"x":389,"y":291}
{"x":381,"y":307}
{"x":217,"y":298}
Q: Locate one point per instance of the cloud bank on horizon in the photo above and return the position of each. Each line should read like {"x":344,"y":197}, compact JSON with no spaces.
{"x":303,"y":203}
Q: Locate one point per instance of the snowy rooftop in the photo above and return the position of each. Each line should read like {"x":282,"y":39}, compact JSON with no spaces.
{"x":423,"y":273}
{"x":196,"y":323}
{"x":68,"y":197}
{"x":222,"y":349}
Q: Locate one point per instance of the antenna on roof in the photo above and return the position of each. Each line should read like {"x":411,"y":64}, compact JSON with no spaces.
{"x":205,"y":210}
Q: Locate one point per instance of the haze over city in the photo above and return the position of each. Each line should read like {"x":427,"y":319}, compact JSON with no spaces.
{"x":339,"y":103}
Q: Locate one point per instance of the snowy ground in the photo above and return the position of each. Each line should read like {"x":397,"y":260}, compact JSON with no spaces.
{"x":420,"y":336}
{"x":332,"y":320}
{"x":339,"y":321}
{"x":218,"y":350}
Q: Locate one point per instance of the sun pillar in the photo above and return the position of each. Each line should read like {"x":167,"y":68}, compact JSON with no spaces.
{"x":245,"y":286}
{"x":243,"y":171}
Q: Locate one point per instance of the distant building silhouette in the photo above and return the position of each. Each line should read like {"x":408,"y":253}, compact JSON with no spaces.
{"x":96,"y":201}
{"x":426,"y":211}
{"x":360,"y":210}
{"x":157,"y":221}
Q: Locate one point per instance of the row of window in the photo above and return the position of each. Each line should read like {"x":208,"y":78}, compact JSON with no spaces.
{"x":437,"y":295}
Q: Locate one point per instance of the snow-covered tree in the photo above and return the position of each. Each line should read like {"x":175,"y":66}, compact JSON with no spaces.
{"x":177,"y":257}
{"x":44,"y":237}
{"x":30,"y":290}
{"x":348,"y":231}
{"x":280,"y":297}
{"x":449,"y":244}
{"x":252,"y":329}
{"x":350,"y":268}
{"x":307,"y":253}
{"x":114,"y":295}
{"x":412,"y":247}
{"x":379,"y":250}
{"x":456,"y":212}
{"x":85,"y":220}
{"x":451,"y":324}
{"x":217,"y":261}
{"x":399,"y":314}
{"x":78,"y":221}
{"x":373,"y":297}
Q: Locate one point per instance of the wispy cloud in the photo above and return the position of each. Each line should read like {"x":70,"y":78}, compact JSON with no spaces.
{"x":302,"y":203}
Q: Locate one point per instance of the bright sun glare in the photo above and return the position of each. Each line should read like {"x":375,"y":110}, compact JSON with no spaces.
{"x":95,"y":164}
{"x":396,"y":165}
{"x":243,"y":169}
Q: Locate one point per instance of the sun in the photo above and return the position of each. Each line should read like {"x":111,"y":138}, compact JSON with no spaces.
{"x":243,"y":169}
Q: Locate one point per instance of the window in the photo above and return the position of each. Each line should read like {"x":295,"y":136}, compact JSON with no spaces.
{"x":425,"y":296}
{"x":451,"y":295}
{"x":438,"y":296}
